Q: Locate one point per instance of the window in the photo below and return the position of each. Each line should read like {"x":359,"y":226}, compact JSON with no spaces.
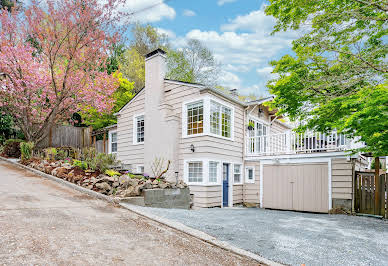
{"x":195,"y":118}
{"x":220,"y":119}
{"x":113,"y":142}
{"x":195,"y":172}
{"x":237,"y":173}
{"x":140,"y":169}
{"x":250,"y":175}
{"x":138,"y":124}
{"x":213,"y":172}
{"x":208,"y":116}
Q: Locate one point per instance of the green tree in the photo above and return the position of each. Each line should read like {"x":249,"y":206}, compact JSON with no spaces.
{"x":123,"y":94}
{"x":193,"y":63}
{"x":145,"y":39}
{"x":337,"y":78}
{"x":8,"y":4}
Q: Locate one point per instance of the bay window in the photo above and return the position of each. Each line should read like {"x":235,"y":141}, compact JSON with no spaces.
{"x":208,"y":116}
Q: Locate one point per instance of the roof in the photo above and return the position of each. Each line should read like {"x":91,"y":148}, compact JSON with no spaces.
{"x":190,"y":83}
{"x":154,"y":52}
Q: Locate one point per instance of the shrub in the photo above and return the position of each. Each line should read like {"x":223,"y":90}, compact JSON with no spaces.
{"x":12,"y":148}
{"x":104,"y":161}
{"x":111,"y":172}
{"x":80,"y":164}
{"x":26,"y":149}
{"x":50,"y":153}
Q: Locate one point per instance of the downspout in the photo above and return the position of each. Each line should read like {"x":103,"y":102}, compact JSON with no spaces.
{"x":244,"y":147}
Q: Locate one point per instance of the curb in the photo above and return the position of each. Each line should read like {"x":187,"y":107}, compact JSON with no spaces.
{"x":138,"y":210}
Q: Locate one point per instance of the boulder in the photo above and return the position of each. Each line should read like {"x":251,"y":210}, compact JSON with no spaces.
{"x":115,"y":184}
{"x":67,"y":165}
{"x":164,"y":185}
{"x":104,"y":186}
{"x":62,"y":172}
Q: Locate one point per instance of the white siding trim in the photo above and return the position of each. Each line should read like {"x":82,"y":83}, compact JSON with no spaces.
{"x":134,"y":129}
{"x":297,"y":161}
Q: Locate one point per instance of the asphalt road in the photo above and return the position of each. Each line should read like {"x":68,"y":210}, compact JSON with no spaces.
{"x":44,"y":223}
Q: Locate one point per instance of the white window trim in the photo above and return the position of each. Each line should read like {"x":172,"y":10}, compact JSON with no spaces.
{"x":247,"y":175}
{"x":138,"y":168}
{"x":241,"y":174}
{"x":205,"y":174}
{"x":110,"y":141}
{"x":134,"y":129}
{"x":206,"y":117}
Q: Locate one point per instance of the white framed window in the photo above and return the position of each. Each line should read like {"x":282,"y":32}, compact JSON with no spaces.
{"x":213,"y":172}
{"x":237,"y":179}
{"x":195,"y":118}
{"x":113,"y":142}
{"x":250,"y":174}
{"x":140,"y":169}
{"x":195,"y":172}
{"x":138,"y":129}
{"x":208,"y":116}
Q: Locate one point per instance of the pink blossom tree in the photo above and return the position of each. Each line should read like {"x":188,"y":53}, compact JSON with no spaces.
{"x":53,"y":56}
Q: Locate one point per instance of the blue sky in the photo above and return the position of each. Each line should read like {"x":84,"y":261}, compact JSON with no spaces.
{"x":237,"y":32}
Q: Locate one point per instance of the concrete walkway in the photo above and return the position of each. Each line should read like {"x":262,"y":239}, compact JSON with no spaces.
{"x":44,"y":223}
{"x":292,"y":237}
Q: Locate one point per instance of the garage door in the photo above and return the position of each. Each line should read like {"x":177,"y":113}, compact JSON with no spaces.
{"x":296,"y":187}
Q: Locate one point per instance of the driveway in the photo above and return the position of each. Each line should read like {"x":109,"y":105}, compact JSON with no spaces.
{"x":292,"y":237}
{"x":44,"y":223}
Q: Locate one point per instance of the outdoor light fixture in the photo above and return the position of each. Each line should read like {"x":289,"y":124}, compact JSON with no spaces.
{"x":192,"y":148}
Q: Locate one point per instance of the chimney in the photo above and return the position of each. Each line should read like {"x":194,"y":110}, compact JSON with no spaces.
{"x":160,"y":131}
{"x":233,"y":92}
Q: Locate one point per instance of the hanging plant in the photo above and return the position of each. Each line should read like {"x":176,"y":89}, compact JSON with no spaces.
{"x":251,"y":125}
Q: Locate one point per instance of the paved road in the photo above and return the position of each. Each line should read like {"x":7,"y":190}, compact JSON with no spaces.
{"x":44,"y":223}
{"x":292,"y":237}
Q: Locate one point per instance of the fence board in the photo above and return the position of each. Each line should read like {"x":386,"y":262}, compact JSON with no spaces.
{"x":67,"y":136}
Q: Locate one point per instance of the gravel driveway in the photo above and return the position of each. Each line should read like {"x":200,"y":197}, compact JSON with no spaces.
{"x":292,"y":237}
{"x":44,"y":223}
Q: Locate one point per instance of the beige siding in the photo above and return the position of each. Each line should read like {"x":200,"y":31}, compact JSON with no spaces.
{"x":127,"y":152}
{"x":237,"y":194}
{"x":206,"y":196}
{"x":277,"y":127}
{"x":251,"y":193}
{"x":341,"y":179}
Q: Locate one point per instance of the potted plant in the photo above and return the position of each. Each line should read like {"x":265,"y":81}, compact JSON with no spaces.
{"x":251,"y":125}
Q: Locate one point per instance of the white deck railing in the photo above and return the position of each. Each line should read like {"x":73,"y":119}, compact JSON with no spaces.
{"x":292,"y":143}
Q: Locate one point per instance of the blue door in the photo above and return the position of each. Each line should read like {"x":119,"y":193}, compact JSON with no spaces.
{"x":225,"y":185}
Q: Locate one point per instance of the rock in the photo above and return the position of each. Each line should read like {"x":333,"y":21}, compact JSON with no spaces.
{"x":62,"y":172}
{"x":129,"y":192}
{"x":104,"y":186}
{"x":77,"y":178}
{"x":164,"y":185}
{"x":155,"y":182}
{"x":67,"y":166}
{"x":115,"y":184}
{"x":89,"y":186}
{"x":148,"y":185}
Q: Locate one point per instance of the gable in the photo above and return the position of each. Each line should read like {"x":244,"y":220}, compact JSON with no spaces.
{"x":139,"y":94}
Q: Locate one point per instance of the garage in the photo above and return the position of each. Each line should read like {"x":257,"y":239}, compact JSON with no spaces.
{"x":299,"y":187}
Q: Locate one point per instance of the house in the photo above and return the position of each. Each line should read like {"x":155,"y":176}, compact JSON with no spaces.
{"x":204,"y":133}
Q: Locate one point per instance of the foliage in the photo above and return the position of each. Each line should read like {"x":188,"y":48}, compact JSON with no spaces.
{"x":26,"y":149}
{"x":98,"y":161}
{"x":123,"y":94}
{"x":7,"y":127}
{"x":50,"y":153}
{"x":51,"y":54}
{"x":337,"y":78}
{"x":80,"y":164}
{"x":193,"y":63}
{"x":9,"y":4}
{"x":111,"y":172}
{"x":12,"y":148}
{"x":251,"y":124}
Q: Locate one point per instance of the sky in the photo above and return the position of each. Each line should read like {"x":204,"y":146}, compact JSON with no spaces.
{"x":237,"y":32}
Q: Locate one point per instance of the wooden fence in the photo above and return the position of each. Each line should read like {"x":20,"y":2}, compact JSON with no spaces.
{"x":371,"y":194}
{"x":67,"y":136}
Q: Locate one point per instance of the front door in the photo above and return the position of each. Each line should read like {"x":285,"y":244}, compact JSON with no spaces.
{"x":225,"y":185}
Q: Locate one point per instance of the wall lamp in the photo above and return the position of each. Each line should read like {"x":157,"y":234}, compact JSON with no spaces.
{"x":192,"y":148}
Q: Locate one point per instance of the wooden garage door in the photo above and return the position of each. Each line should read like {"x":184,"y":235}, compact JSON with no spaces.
{"x":300,"y":187}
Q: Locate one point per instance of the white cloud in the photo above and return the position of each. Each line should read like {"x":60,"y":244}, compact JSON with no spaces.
{"x":148,"y":10}
{"x":254,"y":21}
{"x":229,"y":80}
{"x":222,"y":2}
{"x":169,"y":33}
{"x":189,"y":13}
